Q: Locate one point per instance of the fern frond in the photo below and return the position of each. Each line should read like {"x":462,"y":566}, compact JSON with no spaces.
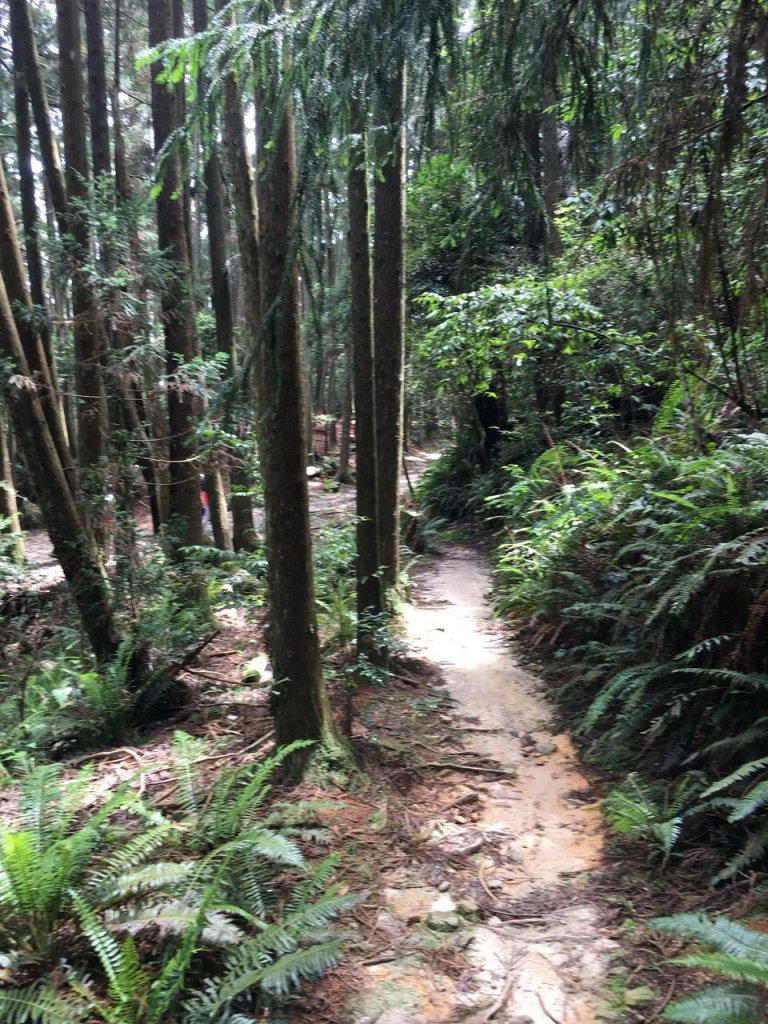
{"x":160,"y":875}
{"x":739,"y":969}
{"x":723,"y":934}
{"x":117,"y":865}
{"x":40,"y":1004}
{"x":724,"y":1004}
{"x":106,"y":947}
{"x":742,"y":772}
{"x":174,"y":918}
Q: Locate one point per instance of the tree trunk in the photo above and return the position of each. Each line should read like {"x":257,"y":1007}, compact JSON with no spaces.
{"x":152,"y":459}
{"x":177,"y":307}
{"x":551,"y":176}
{"x":389,"y":334}
{"x":244,"y":535}
{"x":299,"y":702}
{"x":12,"y":268}
{"x":342,"y":473}
{"x":8,"y":508}
{"x":369,"y":595}
{"x":25,"y":60}
{"x":88,"y":328}
{"x":97,"y":88}
{"x":29,"y":219}
{"x":72,"y":543}
{"x":221,"y":298}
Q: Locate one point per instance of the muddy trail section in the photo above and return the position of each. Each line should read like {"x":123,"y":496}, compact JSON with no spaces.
{"x":482,"y":910}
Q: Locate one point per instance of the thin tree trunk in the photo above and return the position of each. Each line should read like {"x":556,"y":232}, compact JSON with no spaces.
{"x":389,"y":334}
{"x":177,"y":307}
{"x":98,"y":110}
{"x":342,"y":473}
{"x":29,"y":218}
{"x":551,"y":175}
{"x":8,"y":507}
{"x":369,"y":594}
{"x":299,"y":702}
{"x":72,"y":543}
{"x":12,"y":268}
{"x":221,"y":299}
{"x":244,"y":534}
{"x":26,"y":61}
{"x":88,"y":328}
{"x":153,"y":454}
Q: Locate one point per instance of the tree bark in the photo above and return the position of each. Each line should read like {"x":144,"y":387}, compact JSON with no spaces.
{"x":8,"y":507}
{"x":72,"y":543}
{"x":26,"y":62}
{"x":244,"y":203}
{"x":389,"y":333}
{"x":12,"y":268}
{"x":221,"y":298}
{"x":176,"y":302}
{"x":98,"y":107}
{"x":551,"y":176}
{"x":369,"y":592}
{"x":299,"y":702}
{"x":88,"y":328}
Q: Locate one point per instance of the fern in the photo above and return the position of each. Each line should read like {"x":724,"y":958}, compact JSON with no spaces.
{"x":742,"y":954}
{"x":40,"y":1003}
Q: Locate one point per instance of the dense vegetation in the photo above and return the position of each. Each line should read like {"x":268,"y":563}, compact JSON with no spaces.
{"x":549,"y":219}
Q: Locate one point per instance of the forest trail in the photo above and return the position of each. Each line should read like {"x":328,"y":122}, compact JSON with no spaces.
{"x":535,"y":951}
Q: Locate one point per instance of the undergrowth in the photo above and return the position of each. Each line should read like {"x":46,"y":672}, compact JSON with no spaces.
{"x":116,"y":912}
{"x":643,"y":572}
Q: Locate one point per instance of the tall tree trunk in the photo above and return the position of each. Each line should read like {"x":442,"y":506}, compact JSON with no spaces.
{"x":389,"y":333}
{"x":299,"y":703}
{"x":177,"y":307}
{"x":25,"y":60}
{"x":88,"y":327}
{"x":221,"y":298}
{"x":153,"y":454}
{"x":98,"y":107}
{"x":244,"y":203}
{"x":29,"y":217}
{"x":8,"y":508}
{"x":12,"y":268}
{"x":369,"y":592}
{"x":342,"y":473}
{"x":72,"y":542}
{"x":551,"y":175}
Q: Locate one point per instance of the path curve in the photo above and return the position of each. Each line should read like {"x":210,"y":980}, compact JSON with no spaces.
{"x":551,"y":965}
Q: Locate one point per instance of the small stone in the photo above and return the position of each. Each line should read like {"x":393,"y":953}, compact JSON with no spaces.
{"x":515,"y":852}
{"x":460,"y":819}
{"x":639,"y":996}
{"x":494,"y":922}
{"x":545,"y":749}
{"x":444,"y":886}
{"x":468,"y":908}
{"x":444,"y":921}
{"x":464,"y":939}
{"x":495,"y":883}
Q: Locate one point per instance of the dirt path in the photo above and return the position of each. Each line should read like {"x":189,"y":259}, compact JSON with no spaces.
{"x":530,"y":947}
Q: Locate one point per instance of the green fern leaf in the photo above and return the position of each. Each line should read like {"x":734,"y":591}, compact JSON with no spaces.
{"x":40,"y":1004}
{"x":718,"y":1004}
{"x":724,"y":935}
